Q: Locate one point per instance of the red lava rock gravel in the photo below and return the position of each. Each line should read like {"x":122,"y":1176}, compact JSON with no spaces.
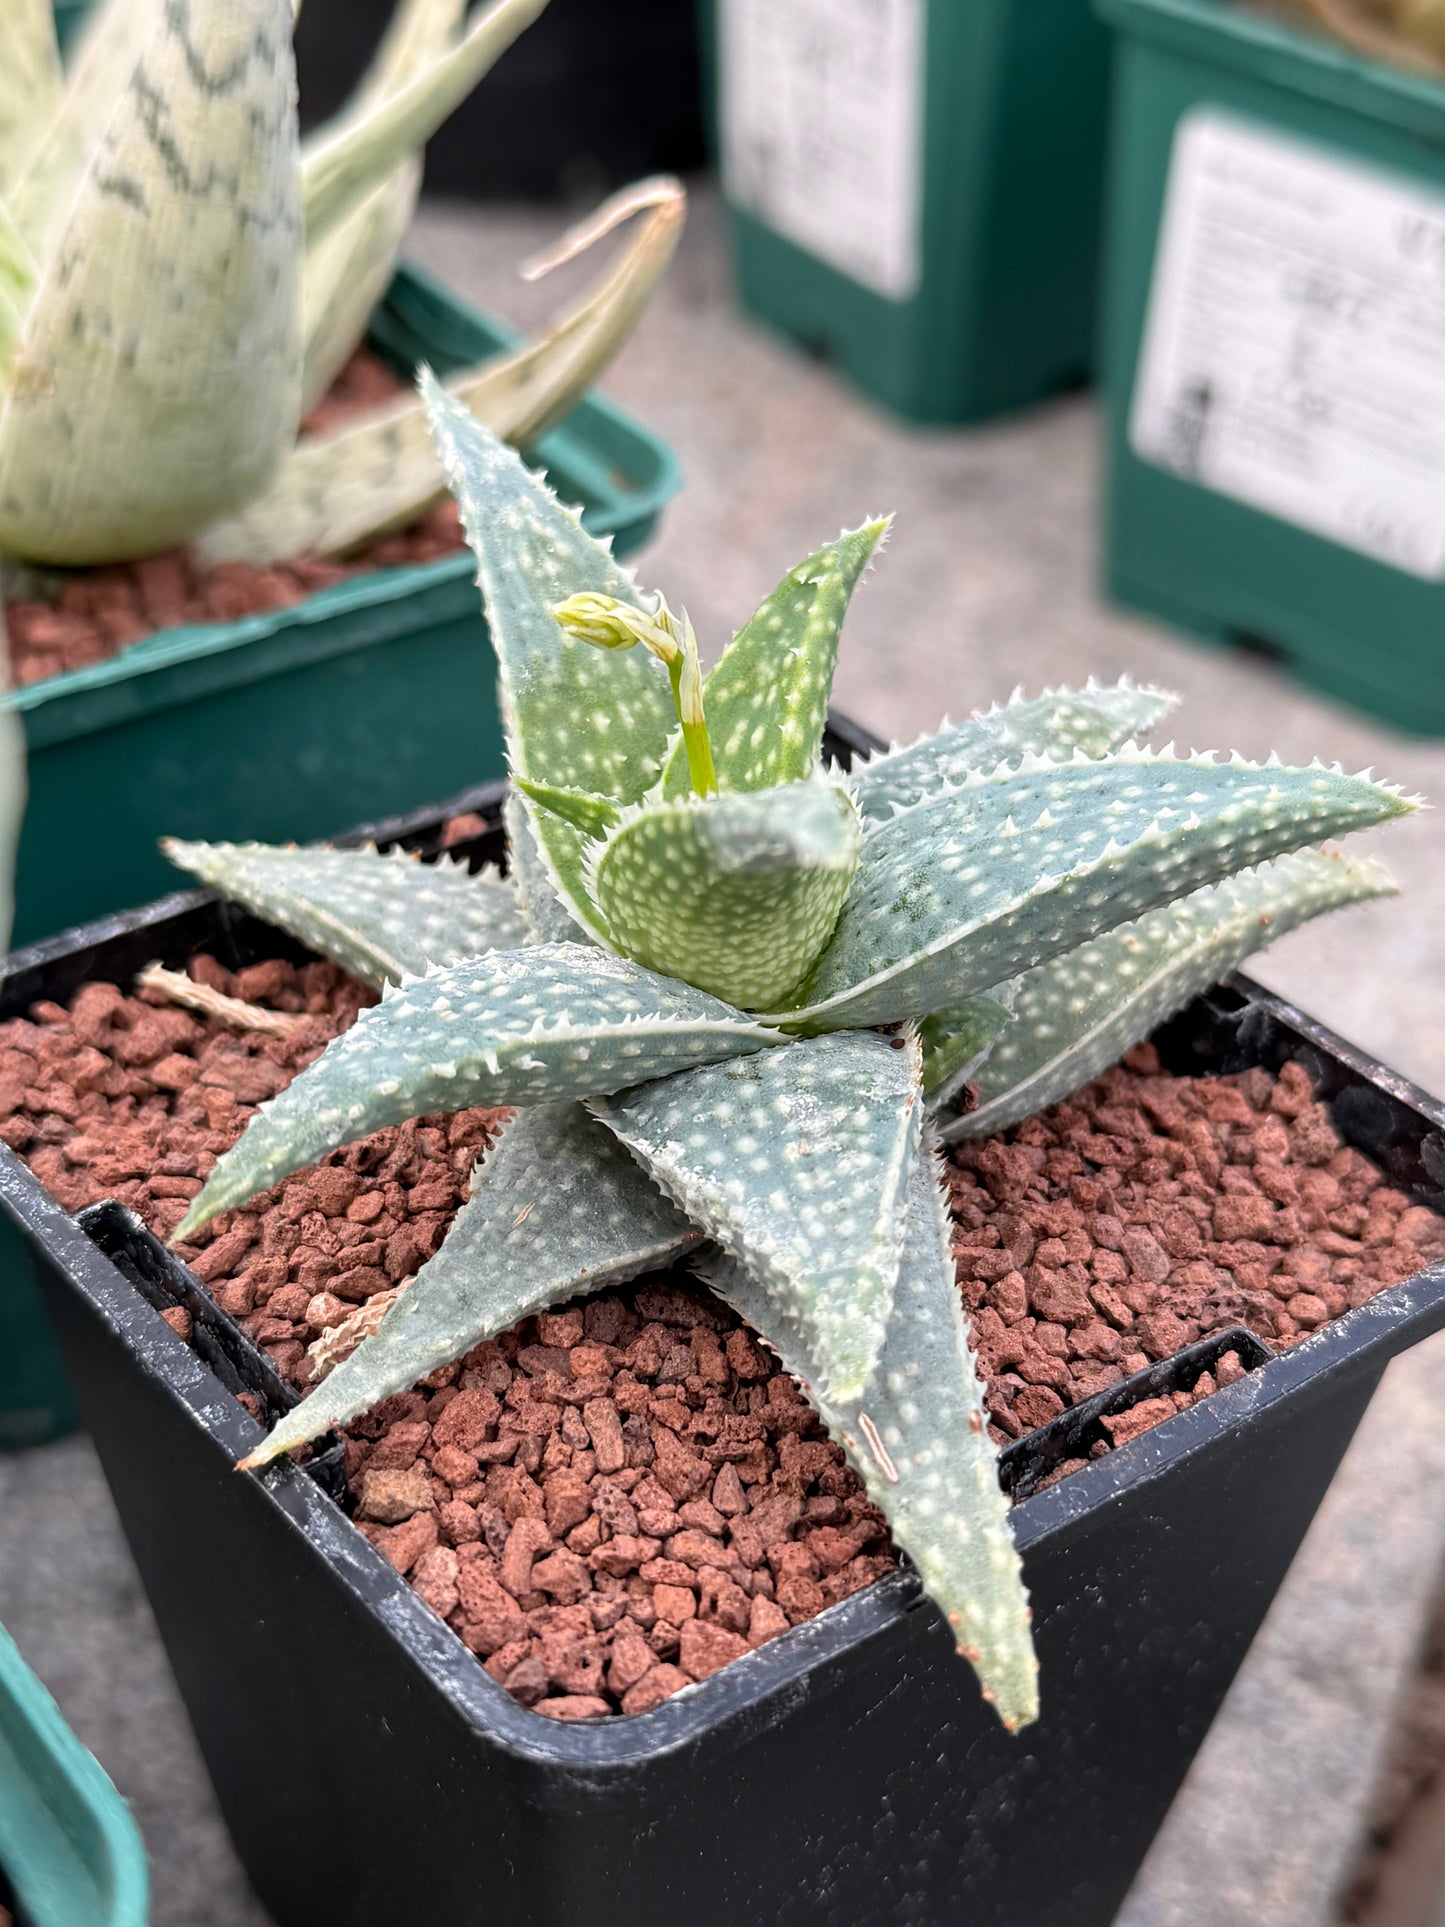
{"x":618,"y":1497}
{"x":101,"y":611}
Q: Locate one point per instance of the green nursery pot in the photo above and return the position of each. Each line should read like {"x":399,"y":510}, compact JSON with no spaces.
{"x":1275,"y":350}
{"x":363,"y":701}
{"x":915,"y":189}
{"x":70,"y":1854}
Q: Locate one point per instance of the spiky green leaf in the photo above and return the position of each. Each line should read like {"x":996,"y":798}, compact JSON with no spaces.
{"x":919,"y":1440}
{"x":557,"y":1209}
{"x":1074,"y":1016}
{"x":381,"y":917}
{"x":546,"y":913}
{"x":166,"y":324}
{"x":30,"y":88}
{"x":340,"y":491}
{"x":1010,"y":870}
{"x":767,"y":697}
{"x":515,"y":1027}
{"x":797,"y":1163}
{"x":593,"y":815}
{"x":575,"y":716}
{"x":736,"y":893}
{"x":360,"y":150}
{"x":957,"y":1041}
{"x":1095,"y":719}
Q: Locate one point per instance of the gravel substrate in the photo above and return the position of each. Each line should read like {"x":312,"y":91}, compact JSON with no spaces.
{"x":620,"y":1496}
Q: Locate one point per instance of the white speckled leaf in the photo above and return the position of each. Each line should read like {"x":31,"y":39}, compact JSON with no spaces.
{"x":936,"y":1475}
{"x":1076,"y":1015}
{"x":339,"y":491}
{"x":157,"y":383}
{"x":514,"y":1027}
{"x":593,"y":815}
{"x":579,"y":717}
{"x":1094,"y":719}
{"x":736,"y":894}
{"x":958,"y":1040}
{"x":767,"y":697}
{"x":797,"y":1163}
{"x":548,"y":918}
{"x":1007,"y":871}
{"x":30,"y":89}
{"x":360,"y":149}
{"x":350,"y":268}
{"x":381,"y":917}
{"x":557,"y":1209}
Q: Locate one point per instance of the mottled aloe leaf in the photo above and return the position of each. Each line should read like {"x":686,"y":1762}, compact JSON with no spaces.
{"x":736,"y":894}
{"x":101,"y":67}
{"x":360,"y":149}
{"x":30,"y":87}
{"x":381,"y":917}
{"x":957,"y":1041}
{"x":338,"y":492}
{"x":797,"y":1163}
{"x":548,"y":918}
{"x":514,"y":1027}
{"x":557,"y":1209}
{"x":919,"y":1440}
{"x":767,"y":697}
{"x":157,"y":383}
{"x":349,"y":269}
{"x":577,"y":717}
{"x":1095,"y":719}
{"x":593,"y":815}
{"x":1007,"y":871}
{"x":18,"y":275}
{"x":1077,"y":1014}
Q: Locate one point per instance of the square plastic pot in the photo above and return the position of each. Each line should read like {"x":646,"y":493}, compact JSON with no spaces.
{"x":1215,"y":567}
{"x":70,"y":1855}
{"x":295,"y":724}
{"x":1006,"y":119}
{"x":846,"y":1774}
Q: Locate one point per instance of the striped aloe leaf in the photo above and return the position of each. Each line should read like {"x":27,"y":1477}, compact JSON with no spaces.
{"x":30,"y":88}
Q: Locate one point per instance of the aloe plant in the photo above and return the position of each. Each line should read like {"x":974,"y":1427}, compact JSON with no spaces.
{"x":733,"y":994}
{"x":181,"y":278}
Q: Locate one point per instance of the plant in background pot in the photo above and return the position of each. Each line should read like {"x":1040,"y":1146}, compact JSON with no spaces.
{"x":1409,"y":33}
{"x":735,"y":995}
{"x":182,"y":281}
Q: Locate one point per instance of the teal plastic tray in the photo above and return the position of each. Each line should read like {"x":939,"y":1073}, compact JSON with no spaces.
{"x":1014,"y":113}
{"x":69,"y":1848}
{"x":1216,"y":568}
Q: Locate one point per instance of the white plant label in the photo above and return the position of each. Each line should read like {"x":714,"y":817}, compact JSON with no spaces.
{"x":822,"y":129}
{"x":1294,"y":352}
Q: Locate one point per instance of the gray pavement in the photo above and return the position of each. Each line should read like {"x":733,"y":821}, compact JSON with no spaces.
{"x":988,"y":581}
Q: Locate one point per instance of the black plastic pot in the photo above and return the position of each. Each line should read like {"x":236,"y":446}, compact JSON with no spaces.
{"x":845,"y":1775}
{"x":590,"y":97}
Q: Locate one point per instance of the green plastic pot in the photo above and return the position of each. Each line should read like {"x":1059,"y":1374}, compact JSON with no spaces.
{"x":69,"y":1849}
{"x":365,"y":700}
{"x":1216,"y":567}
{"x":1010,"y":112}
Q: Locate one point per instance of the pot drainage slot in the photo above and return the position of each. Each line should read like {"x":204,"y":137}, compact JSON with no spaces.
{"x":241,"y":1366}
{"x":1024,"y":1465}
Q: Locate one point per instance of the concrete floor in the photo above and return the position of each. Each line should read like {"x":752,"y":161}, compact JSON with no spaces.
{"x":988,"y":582}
